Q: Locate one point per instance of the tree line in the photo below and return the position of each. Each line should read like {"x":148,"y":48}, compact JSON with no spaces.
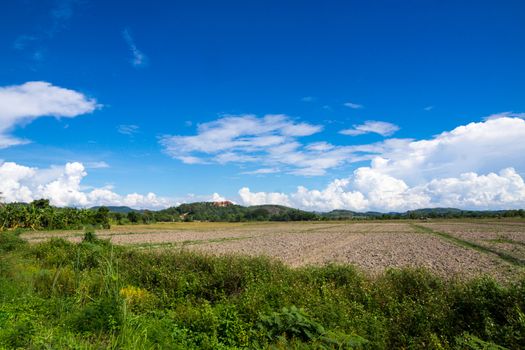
{"x":39,"y":214}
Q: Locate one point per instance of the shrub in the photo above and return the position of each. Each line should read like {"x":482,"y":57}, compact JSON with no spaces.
{"x":55,"y":252}
{"x":137,"y":299}
{"x":19,"y":336}
{"x":57,"y":281}
{"x":291,"y":323}
{"x":10,"y":240}
{"x":104,"y":314}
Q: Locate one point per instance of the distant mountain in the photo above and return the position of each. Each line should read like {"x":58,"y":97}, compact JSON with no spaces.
{"x":228,"y":211}
{"x":117,"y":209}
{"x":435,"y":211}
{"x":341,"y":214}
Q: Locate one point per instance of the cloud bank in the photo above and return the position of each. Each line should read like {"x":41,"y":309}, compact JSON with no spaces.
{"x":21,"y":104}
{"x":62,"y":185}
{"x":475,"y":166}
{"x":368,"y":189}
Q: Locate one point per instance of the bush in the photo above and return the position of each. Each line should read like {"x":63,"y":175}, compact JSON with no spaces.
{"x":10,"y":240}
{"x":104,"y":314}
{"x":58,"y":281}
{"x":291,"y":323}
{"x":19,"y":336}
{"x":55,"y":252}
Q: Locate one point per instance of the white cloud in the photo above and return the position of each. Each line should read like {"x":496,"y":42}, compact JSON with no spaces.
{"x":139,"y":59}
{"x":353,"y":105}
{"x":261,"y":171}
{"x":368,"y":189}
{"x":21,"y":104}
{"x":97,"y":165}
{"x":481,"y":147}
{"x":62,"y":185}
{"x":271,"y":141}
{"x":505,"y":189}
{"x":319,"y":146}
{"x":308,"y":99}
{"x":505,"y":115}
{"x":259,"y":198}
{"x":428,"y":108}
{"x":372,"y":126}
{"x":475,"y":166}
{"x":128,"y":129}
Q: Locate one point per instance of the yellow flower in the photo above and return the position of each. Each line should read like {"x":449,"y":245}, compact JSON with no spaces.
{"x":136,"y":297}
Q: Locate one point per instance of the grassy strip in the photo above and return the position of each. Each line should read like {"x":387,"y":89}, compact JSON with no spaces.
{"x":468,"y":244}
{"x":505,"y":240}
{"x":184,"y":243}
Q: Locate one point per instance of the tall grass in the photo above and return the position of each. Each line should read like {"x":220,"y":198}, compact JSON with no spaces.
{"x":93,"y":295}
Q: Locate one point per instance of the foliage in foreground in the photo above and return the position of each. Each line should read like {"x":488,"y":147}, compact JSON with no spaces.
{"x":92,"y":295}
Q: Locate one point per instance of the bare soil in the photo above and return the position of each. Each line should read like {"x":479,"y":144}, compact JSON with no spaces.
{"x":373,"y":246}
{"x":500,"y":235}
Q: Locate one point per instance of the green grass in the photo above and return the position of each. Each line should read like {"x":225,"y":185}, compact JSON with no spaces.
{"x":182,"y":244}
{"x":93,"y":295}
{"x":505,"y":240}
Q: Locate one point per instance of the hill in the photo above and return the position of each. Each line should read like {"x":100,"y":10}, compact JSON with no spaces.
{"x":228,"y":211}
{"x":211,"y":211}
{"x":117,"y":209}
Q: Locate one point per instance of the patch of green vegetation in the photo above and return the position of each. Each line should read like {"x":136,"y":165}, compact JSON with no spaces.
{"x":93,"y":295}
{"x":39,"y":214}
{"x":505,"y":240}
{"x":182,"y":244}
{"x":472,"y":245}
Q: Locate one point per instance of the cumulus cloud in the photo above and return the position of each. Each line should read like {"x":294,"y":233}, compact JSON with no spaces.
{"x":21,"y":104}
{"x":475,"y":166}
{"x":372,"y":126}
{"x":63,"y":186}
{"x":368,"y":189}
{"x":505,"y":115}
{"x":139,"y":59}
{"x":259,"y":198}
{"x":481,"y":147}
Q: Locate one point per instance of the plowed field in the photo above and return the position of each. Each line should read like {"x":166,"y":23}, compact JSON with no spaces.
{"x":451,"y":248}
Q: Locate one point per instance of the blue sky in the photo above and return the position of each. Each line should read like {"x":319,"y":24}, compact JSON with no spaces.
{"x":146,"y":74}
